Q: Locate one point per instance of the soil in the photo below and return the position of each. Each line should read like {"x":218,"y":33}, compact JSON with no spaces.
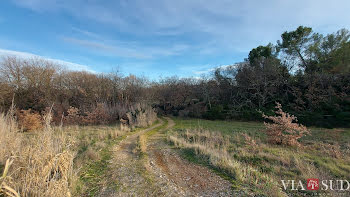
{"x":161,"y":171}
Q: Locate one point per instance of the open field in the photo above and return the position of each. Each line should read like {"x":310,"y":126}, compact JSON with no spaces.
{"x":239,"y":151}
{"x":171,"y":157}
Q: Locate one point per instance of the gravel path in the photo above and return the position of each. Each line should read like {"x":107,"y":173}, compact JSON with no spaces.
{"x":128,"y":170}
{"x":183,"y":178}
{"x":162,"y":172}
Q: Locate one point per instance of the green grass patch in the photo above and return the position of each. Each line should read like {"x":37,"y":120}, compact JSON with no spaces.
{"x":95,"y":172}
{"x":156,"y":130}
{"x":225,"y":127}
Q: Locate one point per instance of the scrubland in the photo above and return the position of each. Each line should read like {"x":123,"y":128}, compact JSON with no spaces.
{"x":242,"y":152}
{"x":65,"y":161}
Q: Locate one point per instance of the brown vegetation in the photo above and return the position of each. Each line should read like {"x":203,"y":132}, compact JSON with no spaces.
{"x":73,"y":116}
{"x":215,"y":146}
{"x":99,"y":115}
{"x":29,"y":121}
{"x":42,"y":163}
{"x":284,"y":129}
{"x":141,"y":115}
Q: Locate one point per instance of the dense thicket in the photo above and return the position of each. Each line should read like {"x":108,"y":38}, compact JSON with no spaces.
{"x":36,"y":84}
{"x":307,"y":72}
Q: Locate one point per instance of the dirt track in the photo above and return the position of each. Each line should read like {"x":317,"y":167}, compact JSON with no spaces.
{"x":189,"y":179}
{"x":128,"y":171}
{"x":162,"y":172}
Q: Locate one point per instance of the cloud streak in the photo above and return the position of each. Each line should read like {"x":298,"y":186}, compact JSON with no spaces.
{"x":25,"y":55}
{"x":127,"y":50}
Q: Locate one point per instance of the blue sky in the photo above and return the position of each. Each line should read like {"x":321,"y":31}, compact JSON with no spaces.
{"x":156,"y":37}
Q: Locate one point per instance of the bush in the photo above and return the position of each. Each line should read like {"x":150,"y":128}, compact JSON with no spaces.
{"x":29,"y":121}
{"x":283,"y":130}
{"x":99,"y":115}
{"x":215,"y":113}
{"x":73,"y":116}
{"x":141,"y":115}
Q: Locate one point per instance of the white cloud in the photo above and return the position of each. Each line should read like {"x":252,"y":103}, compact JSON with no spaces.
{"x":69,"y":65}
{"x":105,"y":48}
{"x":209,"y":70}
{"x":87,"y":33}
{"x":128,"y":50}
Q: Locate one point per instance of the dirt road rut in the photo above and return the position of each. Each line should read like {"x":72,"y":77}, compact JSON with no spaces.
{"x":161,"y":171}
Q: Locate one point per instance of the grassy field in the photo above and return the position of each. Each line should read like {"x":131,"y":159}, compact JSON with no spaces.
{"x":77,"y":158}
{"x":240,"y":151}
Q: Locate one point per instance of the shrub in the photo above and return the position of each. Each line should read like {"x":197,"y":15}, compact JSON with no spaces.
{"x":283,"y":130}
{"x":73,"y":116}
{"x":29,"y":121}
{"x":215,"y":113}
{"x":99,"y":115}
{"x":141,"y":115}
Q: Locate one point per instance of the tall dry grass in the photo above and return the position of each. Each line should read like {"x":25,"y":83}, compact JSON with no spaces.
{"x":41,"y":162}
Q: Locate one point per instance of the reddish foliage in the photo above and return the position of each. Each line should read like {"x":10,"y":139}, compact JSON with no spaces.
{"x":284,"y":129}
{"x":99,"y":115}
{"x":249,"y":141}
{"x":29,"y":121}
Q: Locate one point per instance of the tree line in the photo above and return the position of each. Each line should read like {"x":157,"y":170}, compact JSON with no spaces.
{"x":307,"y":72}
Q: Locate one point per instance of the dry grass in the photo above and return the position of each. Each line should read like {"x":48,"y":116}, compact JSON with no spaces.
{"x":215,"y":147}
{"x":324,"y":155}
{"x":141,"y":115}
{"x":5,"y":180}
{"x":29,"y":121}
{"x":142,"y":144}
{"x":41,"y":161}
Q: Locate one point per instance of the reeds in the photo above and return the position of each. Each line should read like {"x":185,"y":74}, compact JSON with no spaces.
{"x":36,"y":164}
